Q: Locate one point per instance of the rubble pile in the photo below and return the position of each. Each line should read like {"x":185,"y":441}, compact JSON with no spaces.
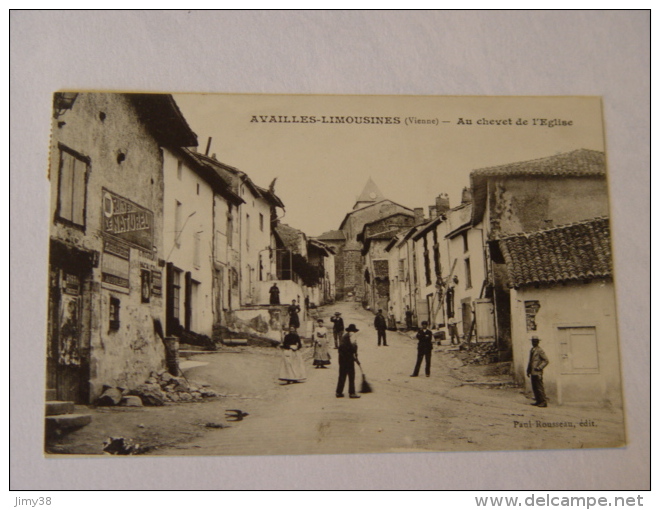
{"x":159,"y":389}
{"x":479,"y":353}
{"x":165,"y":387}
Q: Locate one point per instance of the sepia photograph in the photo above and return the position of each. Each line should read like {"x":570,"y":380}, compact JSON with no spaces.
{"x":260,"y":274}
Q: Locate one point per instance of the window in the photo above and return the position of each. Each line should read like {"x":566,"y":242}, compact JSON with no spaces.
{"x":114,"y":314}
{"x":402,"y":269}
{"x":247,"y":232}
{"x":468,"y":274}
{"x":261,"y":222}
{"x":179,"y":169}
{"x":176,"y":293}
{"x":72,"y":186}
{"x":178,"y":220}
{"x":198,"y":188}
{"x":230,"y":227}
{"x":465,"y":241}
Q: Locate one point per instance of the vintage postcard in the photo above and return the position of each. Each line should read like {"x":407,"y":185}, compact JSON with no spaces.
{"x":283,"y":274}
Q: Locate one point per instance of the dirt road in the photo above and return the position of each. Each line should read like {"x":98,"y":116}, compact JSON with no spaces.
{"x":454,"y":409}
{"x":458,"y":408}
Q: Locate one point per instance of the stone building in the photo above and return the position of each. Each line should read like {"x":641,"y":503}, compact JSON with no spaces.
{"x":375,"y":237}
{"x":370,"y":206}
{"x":528,"y":196}
{"x":107,"y":251}
{"x":562,"y":291}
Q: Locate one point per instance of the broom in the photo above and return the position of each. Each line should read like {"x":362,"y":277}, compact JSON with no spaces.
{"x":365,"y":387}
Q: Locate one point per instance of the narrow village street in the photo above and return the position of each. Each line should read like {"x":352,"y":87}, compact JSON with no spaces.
{"x":457,"y":408}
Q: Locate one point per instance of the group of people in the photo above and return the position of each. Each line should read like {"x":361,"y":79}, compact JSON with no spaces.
{"x":292,"y":369}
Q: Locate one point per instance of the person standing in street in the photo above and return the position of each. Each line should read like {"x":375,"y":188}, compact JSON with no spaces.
{"x":274,"y":294}
{"x":337,"y":328}
{"x":409,"y":318}
{"x":294,"y":310}
{"x":321,"y":353}
{"x":424,"y":348}
{"x":381,"y":326}
{"x":347,"y":359}
{"x":292,"y":368}
{"x":452,"y":326}
{"x":537,"y":362}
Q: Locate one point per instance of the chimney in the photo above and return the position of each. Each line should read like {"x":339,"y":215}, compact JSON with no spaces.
{"x":419,"y":215}
{"x":466,"y":196}
{"x":442,"y":203}
{"x":433,"y":212}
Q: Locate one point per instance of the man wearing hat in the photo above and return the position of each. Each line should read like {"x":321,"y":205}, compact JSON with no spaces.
{"x":347,"y":359}
{"x":338,"y":327}
{"x":381,"y":325}
{"x":537,"y":362}
{"x":424,"y":349}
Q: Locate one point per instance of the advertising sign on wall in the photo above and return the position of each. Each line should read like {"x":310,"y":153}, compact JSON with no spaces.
{"x":127,"y":221}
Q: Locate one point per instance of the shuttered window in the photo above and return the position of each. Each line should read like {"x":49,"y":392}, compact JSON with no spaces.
{"x":72,"y":189}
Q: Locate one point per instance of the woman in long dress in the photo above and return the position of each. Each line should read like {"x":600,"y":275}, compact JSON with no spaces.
{"x":294,"y":310}
{"x":321,"y":352}
{"x":292,"y":368}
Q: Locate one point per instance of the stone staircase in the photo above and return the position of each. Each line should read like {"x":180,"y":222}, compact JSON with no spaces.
{"x":61,"y":417}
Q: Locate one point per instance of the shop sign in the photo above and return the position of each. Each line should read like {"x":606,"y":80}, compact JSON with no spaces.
{"x":127,"y":221}
{"x":156,"y":282}
{"x":115,"y":267}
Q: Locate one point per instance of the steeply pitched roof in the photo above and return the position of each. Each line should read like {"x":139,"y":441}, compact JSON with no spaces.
{"x":211,"y":171}
{"x":233,"y":176}
{"x":163,"y":117}
{"x":577,"y":163}
{"x":370,"y":193}
{"x":575,"y":251}
{"x":292,"y":238}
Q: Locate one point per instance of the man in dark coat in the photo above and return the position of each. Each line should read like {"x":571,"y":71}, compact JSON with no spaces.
{"x":347,"y":359}
{"x":337,"y":328}
{"x":537,"y":362}
{"x":424,"y":348}
{"x":274,"y":294}
{"x":381,"y":326}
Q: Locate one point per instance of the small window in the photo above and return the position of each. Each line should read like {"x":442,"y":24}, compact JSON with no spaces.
{"x":114,"y":313}
{"x":468,"y":274}
{"x":465,"y":242}
{"x":247,"y":232}
{"x":176,"y":293}
{"x":198,"y":188}
{"x":178,"y":222}
{"x":230,"y":228}
{"x":72,"y":188}
{"x":261,"y":222}
{"x":179,"y":169}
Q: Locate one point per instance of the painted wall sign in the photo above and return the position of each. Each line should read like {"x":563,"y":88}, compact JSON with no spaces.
{"x":127,"y":220}
{"x":115,"y":268}
{"x":156,"y":283}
